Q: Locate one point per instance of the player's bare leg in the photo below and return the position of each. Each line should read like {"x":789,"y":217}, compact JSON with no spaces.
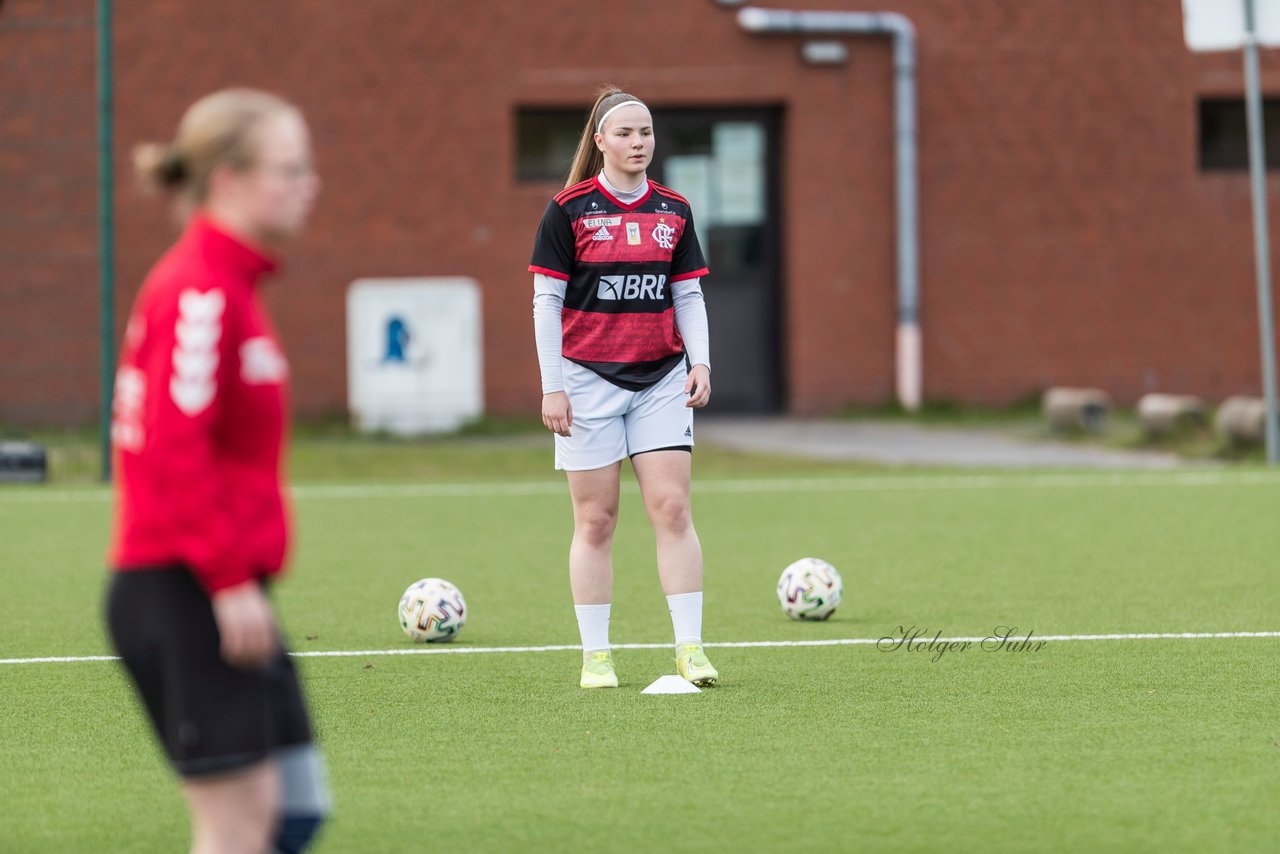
{"x":664,"y":478}
{"x":595,"y":517}
{"x":236,"y":812}
{"x":664,"y":483}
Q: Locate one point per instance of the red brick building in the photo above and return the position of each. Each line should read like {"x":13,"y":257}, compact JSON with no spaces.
{"x":1070,"y":232}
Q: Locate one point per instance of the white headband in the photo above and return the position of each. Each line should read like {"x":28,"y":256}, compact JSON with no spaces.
{"x":609,"y":112}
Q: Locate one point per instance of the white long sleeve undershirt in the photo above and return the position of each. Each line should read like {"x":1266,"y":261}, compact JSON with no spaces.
{"x":691,"y":320}
{"x":548,"y":304}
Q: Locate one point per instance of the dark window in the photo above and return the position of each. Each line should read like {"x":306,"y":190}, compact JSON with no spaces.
{"x":1224,"y":138}
{"x":545,"y":143}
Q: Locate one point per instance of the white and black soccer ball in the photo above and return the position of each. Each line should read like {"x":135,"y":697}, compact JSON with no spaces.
{"x":432,"y":610}
{"x":809,"y":589}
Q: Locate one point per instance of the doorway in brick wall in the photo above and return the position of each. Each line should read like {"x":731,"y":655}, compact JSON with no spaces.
{"x":725,"y":162}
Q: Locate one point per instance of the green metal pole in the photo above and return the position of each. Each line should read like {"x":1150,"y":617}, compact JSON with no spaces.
{"x":106,"y":235}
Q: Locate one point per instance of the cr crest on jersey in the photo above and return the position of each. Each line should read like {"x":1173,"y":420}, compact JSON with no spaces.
{"x":664,"y":235}
{"x":647,"y":286}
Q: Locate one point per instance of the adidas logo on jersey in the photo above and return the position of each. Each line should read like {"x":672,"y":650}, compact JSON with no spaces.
{"x":602,"y":233}
{"x":631,"y":287}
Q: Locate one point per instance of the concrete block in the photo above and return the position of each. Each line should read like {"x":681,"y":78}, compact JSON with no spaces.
{"x":1167,"y":414}
{"x":1071,"y":409}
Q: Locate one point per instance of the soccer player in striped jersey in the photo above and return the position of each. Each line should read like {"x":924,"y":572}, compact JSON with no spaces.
{"x":623,"y":350}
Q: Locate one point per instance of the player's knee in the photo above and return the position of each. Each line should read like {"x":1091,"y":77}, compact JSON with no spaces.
{"x":595,"y":525}
{"x":671,"y":514}
{"x":306,"y":801}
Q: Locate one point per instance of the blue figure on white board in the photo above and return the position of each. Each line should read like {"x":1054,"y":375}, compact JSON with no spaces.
{"x":398,"y":338}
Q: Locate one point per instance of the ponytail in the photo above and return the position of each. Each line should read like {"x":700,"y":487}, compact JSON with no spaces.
{"x":588,"y":160}
{"x":215,"y":130}
{"x":159,"y":166}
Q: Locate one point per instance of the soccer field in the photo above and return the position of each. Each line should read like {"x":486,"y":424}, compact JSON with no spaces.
{"x":1117,"y":744}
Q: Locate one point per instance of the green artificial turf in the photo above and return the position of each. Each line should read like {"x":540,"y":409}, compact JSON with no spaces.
{"x":1104,"y":745}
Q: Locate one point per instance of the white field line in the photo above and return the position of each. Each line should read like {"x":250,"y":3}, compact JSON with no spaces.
{"x":872,"y":483}
{"x":475,"y":650}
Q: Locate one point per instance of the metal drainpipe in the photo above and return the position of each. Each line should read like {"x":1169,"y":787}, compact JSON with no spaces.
{"x":909,"y":364}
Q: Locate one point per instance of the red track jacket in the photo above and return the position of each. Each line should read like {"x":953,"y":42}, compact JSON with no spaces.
{"x":199,"y":420}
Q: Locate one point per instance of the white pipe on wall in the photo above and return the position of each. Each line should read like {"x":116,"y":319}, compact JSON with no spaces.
{"x":909,"y":361}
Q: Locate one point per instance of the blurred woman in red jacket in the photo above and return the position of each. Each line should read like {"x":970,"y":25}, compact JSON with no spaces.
{"x":199,"y":427}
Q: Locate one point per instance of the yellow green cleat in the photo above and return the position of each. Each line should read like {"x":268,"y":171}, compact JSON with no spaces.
{"x":693,"y":666}
{"x":598,"y":672}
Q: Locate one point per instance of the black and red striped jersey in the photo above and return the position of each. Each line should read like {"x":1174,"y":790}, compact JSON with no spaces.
{"x":619,"y":262}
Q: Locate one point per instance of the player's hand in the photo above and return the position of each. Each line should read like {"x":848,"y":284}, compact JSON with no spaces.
{"x":246,"y":625}
{"x":698,"y":387}
{"x":557,"y":414}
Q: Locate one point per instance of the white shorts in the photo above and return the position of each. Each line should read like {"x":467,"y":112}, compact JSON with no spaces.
{"x":611,"y":423}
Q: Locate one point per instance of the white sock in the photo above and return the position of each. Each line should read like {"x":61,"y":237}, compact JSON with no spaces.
{"x":686,"y":617}
{"x":593,"y":625}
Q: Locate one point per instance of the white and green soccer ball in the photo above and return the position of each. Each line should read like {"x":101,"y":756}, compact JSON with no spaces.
{"x":431,"y":610}
{"x":809,"y":589}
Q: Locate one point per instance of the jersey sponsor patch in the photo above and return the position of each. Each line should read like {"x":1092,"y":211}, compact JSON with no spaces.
{"x":633,"y":234}
{"x":195,"y":353}
{"x":647,"y":286}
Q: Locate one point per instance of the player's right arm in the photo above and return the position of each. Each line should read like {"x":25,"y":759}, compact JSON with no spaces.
{"x":553,"y":256}
{"x":548,"y":305}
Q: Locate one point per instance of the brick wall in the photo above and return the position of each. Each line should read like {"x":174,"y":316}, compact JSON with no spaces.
{"x":48,"y":237}
{"x":1067,"y":236}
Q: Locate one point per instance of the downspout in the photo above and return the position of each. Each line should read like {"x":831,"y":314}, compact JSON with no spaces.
{"x":908,"y":362}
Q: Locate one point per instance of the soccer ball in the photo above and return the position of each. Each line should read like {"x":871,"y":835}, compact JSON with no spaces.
{"x":809,"y":589}
{"x":432,"y":610}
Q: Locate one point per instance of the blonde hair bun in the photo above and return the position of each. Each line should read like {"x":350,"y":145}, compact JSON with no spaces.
{"x":159,"y":166}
